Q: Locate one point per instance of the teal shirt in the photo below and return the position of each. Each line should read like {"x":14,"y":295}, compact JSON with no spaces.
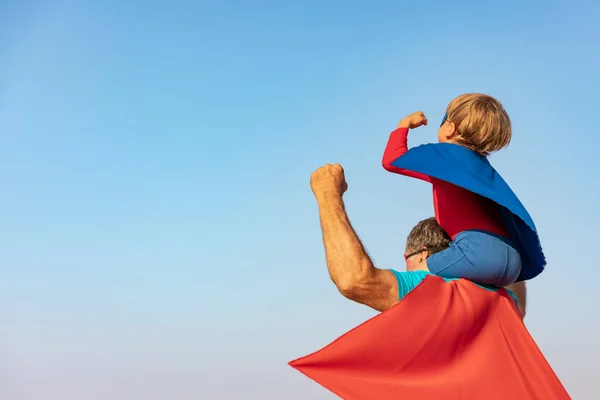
{"x":409,"y":280}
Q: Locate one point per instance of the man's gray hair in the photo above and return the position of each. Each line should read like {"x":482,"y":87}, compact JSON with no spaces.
{"x":427,"y":234}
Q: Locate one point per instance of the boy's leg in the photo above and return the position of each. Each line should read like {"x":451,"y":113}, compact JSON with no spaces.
{"x":479,"y":257}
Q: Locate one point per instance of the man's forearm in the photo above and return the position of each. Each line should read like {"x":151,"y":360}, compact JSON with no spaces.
{"x":347,"y":260}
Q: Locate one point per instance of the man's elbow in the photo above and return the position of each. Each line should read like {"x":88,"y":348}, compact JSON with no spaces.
{"x":348,"y":287}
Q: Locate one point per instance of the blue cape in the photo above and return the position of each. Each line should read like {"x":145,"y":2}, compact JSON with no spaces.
{"x":465,"y":168}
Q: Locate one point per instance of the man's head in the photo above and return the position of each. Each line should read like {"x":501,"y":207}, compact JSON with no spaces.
{"x":426,"y":238}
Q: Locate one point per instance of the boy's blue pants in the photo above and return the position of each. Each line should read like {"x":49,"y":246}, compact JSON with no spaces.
{"x":478,"y":256}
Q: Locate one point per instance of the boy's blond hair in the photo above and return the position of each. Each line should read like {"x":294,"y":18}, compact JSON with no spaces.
{"x":481,"y":123}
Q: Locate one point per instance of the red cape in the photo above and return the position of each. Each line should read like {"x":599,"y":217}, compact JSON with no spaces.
{"x":444,"y":340}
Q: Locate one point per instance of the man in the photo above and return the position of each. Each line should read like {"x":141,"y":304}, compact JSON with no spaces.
{"x":447,"y":338}
{"x":351,"y":268}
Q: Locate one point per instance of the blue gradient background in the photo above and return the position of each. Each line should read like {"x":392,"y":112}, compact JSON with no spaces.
{"x":158,"y":236}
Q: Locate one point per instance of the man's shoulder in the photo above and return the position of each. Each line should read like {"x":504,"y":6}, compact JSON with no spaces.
{"x":411,"y":275}
{"x":408,"y":280}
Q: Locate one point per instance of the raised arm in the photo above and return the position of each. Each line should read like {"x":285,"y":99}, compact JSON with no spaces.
{"x":397,"y":145}
{"x":349,"y":265}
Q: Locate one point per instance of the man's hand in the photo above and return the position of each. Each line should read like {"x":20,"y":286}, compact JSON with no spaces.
{"x":328,"y":180}
{"x":414,"y":120}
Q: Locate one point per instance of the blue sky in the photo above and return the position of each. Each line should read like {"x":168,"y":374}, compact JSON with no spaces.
{"x":158,"y":236}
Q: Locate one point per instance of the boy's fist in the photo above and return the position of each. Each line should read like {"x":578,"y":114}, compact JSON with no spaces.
{"x":414,"y":120}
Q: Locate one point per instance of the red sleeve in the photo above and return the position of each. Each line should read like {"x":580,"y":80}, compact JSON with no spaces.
{"x":396,"y":147}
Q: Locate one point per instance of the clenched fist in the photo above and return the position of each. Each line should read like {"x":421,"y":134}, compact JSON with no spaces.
{"x":414,"y":120}
{"x":328,"y":180}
